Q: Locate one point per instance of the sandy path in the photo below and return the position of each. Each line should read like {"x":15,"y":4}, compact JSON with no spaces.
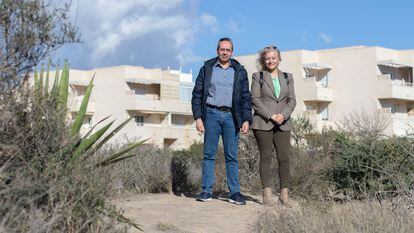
{"x":171,"y":213}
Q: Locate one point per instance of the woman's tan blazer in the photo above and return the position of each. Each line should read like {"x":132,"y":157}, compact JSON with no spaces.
{"x":265,"y":103}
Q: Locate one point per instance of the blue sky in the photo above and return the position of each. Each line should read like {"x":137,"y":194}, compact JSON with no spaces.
{"x":183,"y":33}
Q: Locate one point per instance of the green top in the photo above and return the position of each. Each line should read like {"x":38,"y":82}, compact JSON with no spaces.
{"x":276,"y":84}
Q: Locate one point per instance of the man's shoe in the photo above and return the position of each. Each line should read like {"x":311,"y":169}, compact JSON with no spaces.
{"x":204,"y":196}
{"x":238,"y":199}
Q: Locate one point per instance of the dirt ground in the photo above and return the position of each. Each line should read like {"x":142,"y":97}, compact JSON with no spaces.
{"x":177,"y":213}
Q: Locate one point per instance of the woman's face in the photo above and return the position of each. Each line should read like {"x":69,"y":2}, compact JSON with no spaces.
{"x":271,"y":60}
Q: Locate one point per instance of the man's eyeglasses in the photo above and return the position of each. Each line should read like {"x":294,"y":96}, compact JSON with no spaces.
{"x":224,"y":50}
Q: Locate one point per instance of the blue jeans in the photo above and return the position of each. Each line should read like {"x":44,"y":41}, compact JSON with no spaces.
{"x":220,"y":123}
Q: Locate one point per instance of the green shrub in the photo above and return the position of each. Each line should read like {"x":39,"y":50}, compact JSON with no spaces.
{"x":370,"y":166}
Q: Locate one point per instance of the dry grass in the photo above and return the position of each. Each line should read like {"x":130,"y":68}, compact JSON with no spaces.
{"x":162,"y":226}
{"x":353,"y":217}
{"x":150,"y":172}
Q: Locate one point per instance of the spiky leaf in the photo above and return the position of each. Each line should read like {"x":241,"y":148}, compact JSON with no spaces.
{"x":63,"y":88}
{"x":117,"y":155}
{"x":88,"y":142}
{"x":47,"y":80}
{"x":82,"y":110}
{"x":55,"y":83}
{"x":41,"y":82}
{"x":36,"y":83}
{"x":110,"y":135}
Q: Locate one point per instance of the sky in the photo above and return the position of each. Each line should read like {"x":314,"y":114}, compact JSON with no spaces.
{"x":184,"y":33}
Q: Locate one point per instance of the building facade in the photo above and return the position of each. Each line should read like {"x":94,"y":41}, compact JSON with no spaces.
{"x":159,"y":101}
{"x":353,"y":85}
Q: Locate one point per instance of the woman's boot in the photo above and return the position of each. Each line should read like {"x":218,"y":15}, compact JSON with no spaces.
{"x":267,"y":197}
{"x":284,"y":197}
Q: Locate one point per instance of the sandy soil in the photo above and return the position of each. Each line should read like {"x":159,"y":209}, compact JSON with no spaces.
{"x":175,"y":213}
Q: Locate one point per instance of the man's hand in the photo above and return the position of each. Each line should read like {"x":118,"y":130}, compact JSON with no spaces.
{"x":278,"y":118}
{"x":245,"y":127}
{"x":200,"y":125}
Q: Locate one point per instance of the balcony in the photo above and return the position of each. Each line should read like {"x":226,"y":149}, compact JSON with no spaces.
{"x":315,"y":92}
{"x":311,"y":116}
{"x":397,"y":123}
{"x":315,"y":120}
{"x":394,"y":89}
{"x":151,"y":105}
{"x":75,"y":103}
{"x":158,"y":132}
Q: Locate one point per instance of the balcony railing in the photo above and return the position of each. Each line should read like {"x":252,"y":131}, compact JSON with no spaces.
{"x":316,"y":91}
{"x":316,"y":120}
{"x":395,"y":89}
{"x":162,"y":106}
{"x":395,"y":82}
{"x":314,"y":81}
{"x":192,"y":126}
{"x":75,"y":103}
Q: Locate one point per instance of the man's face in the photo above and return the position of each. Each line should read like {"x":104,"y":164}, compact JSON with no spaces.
{"x":225,"y":51}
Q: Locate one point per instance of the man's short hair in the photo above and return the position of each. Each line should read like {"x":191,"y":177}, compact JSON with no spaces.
{"x":225,"y":39}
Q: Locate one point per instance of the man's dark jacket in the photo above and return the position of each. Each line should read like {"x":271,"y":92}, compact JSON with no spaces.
{"x":241,"y":103}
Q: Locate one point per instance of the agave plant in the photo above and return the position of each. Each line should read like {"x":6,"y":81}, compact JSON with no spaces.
{"x":81,"y":147}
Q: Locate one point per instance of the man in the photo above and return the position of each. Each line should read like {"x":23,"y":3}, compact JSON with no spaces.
{"x":221,"y":107}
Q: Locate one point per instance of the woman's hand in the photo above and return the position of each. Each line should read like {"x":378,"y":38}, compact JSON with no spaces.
{"x":278,"y":118}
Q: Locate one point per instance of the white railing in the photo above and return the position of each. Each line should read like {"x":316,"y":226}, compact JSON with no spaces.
{"x":384,"y":76}
{"x":313,"y":79}
{"x":401,"y":83}
{"x":385,"y":110}
{"x":395,"y":82}
{"x":165,"y":125}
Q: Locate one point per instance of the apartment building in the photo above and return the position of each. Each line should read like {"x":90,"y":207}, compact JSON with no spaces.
{"x":335,"y":86}
{"x":159,"y":101}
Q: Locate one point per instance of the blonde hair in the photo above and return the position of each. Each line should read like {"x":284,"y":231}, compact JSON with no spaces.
{"x":262,"y":54}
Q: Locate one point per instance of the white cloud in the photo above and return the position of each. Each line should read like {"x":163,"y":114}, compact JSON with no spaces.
{"x":210,"y":21}
{"x":233,"y":26}
{"x":147,"y":32}
{"x":325,"y":37}
{"x":187,"y":56}
{"x":106,"y":44}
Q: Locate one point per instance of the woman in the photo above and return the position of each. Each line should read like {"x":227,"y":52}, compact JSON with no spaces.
{"x":273,"y":100}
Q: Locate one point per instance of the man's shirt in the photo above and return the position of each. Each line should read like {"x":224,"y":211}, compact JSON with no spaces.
{"x":220,"y":92}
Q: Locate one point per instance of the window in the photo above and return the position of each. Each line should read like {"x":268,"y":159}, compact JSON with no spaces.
{"x":139,"y":120}
{"x":186,"y":93}
{"x":178,"y":120}
{"x":87,"y":122}
{"x":323,"y":82}
{"x":391,"y":107}
{"x":410,"y":109}
{"x":390,"y":75}
{"x":324,"y":114}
